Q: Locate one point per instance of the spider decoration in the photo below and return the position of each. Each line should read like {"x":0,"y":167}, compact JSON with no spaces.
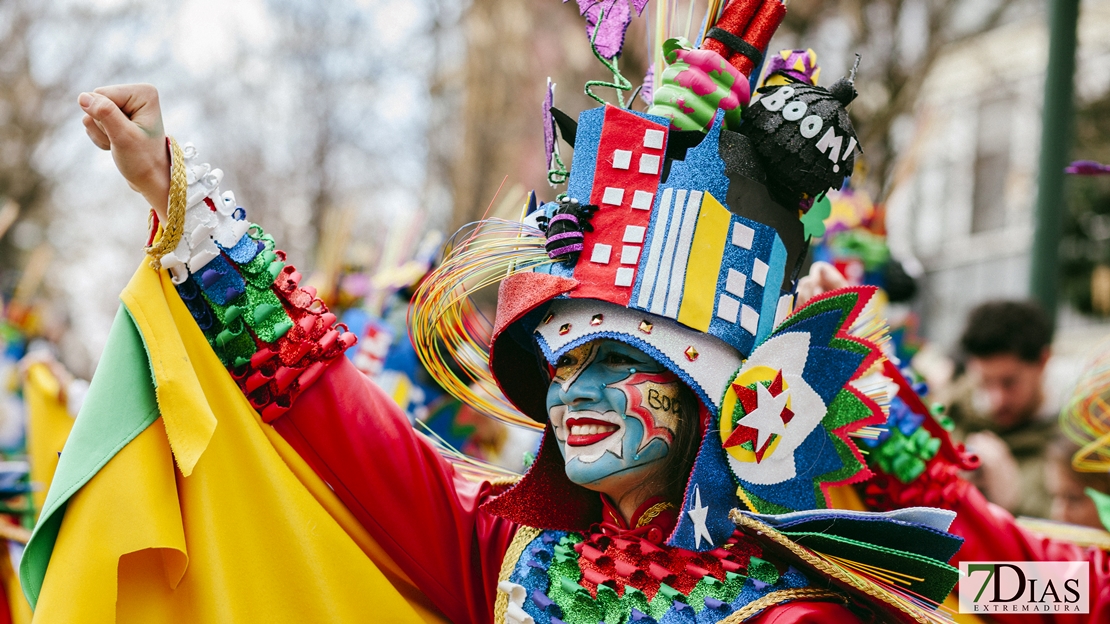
{"x":564,"y":229}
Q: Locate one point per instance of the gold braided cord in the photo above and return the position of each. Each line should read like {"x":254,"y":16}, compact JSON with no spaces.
{"x":652,"y":512}
{"x":779,"y":597}
{"x":838,"y":572}
{"x":174,"y":226}
{"x":524,"y":536}
{"x":504,"y":482}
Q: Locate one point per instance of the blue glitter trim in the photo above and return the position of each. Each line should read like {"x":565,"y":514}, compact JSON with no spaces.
{"x":717,"y":487}
{"x":586,"y":142}
{"x":532,"y":571}
{"x":776,"y":272}
{"x":220,"y":281}
{"x":245,"y":250}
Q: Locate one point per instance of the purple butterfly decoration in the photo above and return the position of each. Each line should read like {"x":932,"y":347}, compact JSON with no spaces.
{"x":549,"y":123}
{"x":1087,"y":168}
{"x":615,"y":17}
{"x":647,"y":91}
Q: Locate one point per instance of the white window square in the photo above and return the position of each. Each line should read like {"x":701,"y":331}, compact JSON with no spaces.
{"x":742,"y":235}
{"x":622,"y":159}
{"x":649,"y":164}
{"x":633,"y":234}
{"x":749,"y":319}
{"x":759,"y":272}
{"x":653,"y":139}
{"x":641,"y":200}
{"x":624,"y":276}
{"x":728,"y":308}
{"x":630,"y":254}
{"x":601,"y":253}
{"x":613,"y":196}
{"x":734,"y":283}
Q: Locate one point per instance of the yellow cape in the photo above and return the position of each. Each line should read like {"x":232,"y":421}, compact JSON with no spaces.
{"x":251,"y":534}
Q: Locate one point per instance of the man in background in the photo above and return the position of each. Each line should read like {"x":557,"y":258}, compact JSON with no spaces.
{"x":1004,"y":408}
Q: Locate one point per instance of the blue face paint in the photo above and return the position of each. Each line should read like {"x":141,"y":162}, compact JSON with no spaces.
{"x":613,"y":410}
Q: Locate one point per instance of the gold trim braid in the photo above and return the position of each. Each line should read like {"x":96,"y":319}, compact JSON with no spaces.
{"x":779,"y":597}
{"x":524,"y":536}
{"x":174,"y":227}
{"x":652,"y":512}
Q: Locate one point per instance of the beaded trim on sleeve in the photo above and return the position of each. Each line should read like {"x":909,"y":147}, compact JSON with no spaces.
{"x":274,"y":336}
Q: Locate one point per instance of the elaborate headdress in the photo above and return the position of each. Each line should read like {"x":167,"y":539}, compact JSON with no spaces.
{"x":682,"y":234}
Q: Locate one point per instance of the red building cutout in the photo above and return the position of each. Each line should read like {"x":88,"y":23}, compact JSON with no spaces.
{"x":626,"y":179}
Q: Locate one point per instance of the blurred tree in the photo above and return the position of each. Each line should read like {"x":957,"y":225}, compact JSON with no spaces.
{"x":899,"y":40}
{"x":37,"y":94}
{"x":48,"y":52}
{"x":303,"y":119}
{"x":512,"y":46}
{"x":1085,"y":246}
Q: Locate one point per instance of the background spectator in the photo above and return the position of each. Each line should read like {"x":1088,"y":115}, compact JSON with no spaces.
{"x":1067,"y":487}
{"x":1003,"y":406}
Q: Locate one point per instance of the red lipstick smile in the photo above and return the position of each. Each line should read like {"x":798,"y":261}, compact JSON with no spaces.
{"x":587,"y":431}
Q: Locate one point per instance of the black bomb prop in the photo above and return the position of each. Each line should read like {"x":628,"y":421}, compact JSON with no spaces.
{"x":804,"y":139}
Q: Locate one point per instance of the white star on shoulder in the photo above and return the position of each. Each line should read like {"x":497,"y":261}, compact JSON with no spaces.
{"x":766,"y":418}
{"x":697,"y":514}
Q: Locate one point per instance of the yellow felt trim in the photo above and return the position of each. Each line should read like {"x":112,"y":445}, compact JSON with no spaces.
{"x":48,"y":427}
{"x":845,"y":497}
{"x":187,"y":416}
{"x":699,"y":293}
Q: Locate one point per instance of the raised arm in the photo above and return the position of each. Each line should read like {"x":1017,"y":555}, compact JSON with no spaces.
{"x":285,"y":349}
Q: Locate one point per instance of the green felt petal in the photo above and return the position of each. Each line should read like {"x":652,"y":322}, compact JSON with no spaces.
{"x":1102,"y":504}
{"x":119,"y":406}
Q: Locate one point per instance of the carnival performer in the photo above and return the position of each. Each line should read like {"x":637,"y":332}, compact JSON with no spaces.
{"x":700,"y":426}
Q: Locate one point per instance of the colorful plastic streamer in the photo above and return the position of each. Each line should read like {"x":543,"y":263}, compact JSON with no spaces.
{"x":1086,"y":417}
{"x":450,"y":335}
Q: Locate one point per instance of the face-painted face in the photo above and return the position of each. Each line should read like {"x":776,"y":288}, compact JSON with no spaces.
{"x":614,"y":411}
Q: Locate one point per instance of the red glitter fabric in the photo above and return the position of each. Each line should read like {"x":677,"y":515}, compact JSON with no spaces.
{"x":610,"y":554}
{"x":520,"y":293}
{"x":280,"y":371}
{"x":427,"y":519}
{"x":754,"y":21}
{"x":759,"y":33}
{"x":529,"y":502}
{"x":992,"y":535}
{"x":521,"y":374}
{"x":735,"y":20}
{"x":939,"y":486}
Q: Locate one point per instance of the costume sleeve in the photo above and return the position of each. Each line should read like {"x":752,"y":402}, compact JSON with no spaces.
{"x":427,"y":518}
{"x":918,"y":465}
{"x":991,"y":534}
{"x":285,"y":350}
